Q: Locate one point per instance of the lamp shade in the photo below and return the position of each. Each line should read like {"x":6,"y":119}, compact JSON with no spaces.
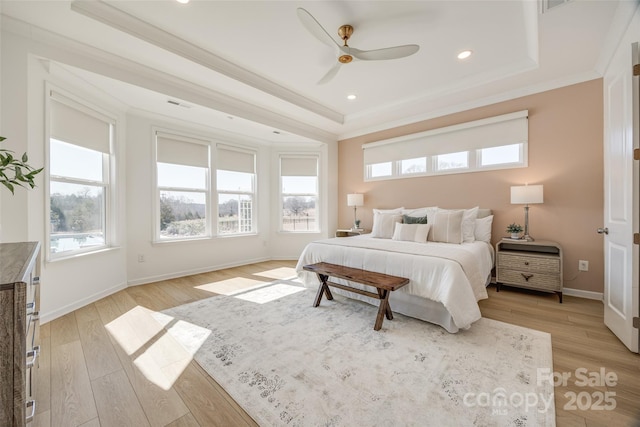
{"x":526,"y":194}
{"x":355,"y":199}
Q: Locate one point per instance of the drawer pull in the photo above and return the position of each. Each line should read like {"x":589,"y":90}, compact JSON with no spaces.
{"x":30,"y":307}
{"x":526,"y":263}
{"x":36,"y":281}
{"x":527,"y":276}
{"x":32,"y":356}
{"x":30,"y":404}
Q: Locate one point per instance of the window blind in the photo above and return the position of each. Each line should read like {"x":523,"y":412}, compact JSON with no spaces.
{"x":76,"y":124}
{"x":231,"y":159}
{"x":172,"y":149}
{"x":492,"y":132}
{"x":299,"y":166}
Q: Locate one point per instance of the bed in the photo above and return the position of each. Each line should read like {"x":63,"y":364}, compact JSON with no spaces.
{"x":446,"y":279}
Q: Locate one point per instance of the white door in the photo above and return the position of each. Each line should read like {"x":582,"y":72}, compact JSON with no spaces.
{"x":620,"y":196}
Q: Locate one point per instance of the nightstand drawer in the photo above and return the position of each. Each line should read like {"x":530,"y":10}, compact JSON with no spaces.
{"x":529,"y":279}
{"x":529,"y":263}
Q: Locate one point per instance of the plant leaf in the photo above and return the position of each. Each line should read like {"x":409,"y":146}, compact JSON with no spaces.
{"x":9,"y":186}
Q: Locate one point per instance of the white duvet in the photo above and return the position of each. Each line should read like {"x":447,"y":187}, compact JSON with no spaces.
{"x":454,"y":275}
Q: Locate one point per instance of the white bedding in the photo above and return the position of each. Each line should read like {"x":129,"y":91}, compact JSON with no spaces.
{"x":453,"y":275}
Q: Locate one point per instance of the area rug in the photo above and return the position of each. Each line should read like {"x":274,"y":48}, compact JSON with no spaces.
{"x":288,"y":363}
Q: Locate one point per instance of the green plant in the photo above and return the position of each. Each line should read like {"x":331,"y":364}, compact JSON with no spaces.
{"x":16,"y":172}
{"x":514,"y":228}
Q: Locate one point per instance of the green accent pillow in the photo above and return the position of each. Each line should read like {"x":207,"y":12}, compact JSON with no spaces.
{"x":414,"y":219}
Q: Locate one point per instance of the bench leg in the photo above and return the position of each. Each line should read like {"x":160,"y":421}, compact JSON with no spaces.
{"x":323,"y":288}
{"x":383,"y":310}
{"x":387,"y":311}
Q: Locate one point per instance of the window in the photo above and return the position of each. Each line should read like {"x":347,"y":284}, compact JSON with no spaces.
{"x":492,"y":143}
{"x":381,"y":169}
{"x":182,"y":176}
{"x":236,"y":190}
{"x":501,"y":155}
{"x":453,"y":160}
{"x":412,"y":166}
{"x":299,"y":193}
{"x":80,"y":142}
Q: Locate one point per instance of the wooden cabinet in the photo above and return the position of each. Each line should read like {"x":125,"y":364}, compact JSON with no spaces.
{"x":532,"y":265}
{"x":19,"y":309}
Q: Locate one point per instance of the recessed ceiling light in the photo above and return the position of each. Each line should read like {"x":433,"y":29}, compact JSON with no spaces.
{"x":464,"y":54}
{"x":183,"y":1}
{"x":351,"y":97}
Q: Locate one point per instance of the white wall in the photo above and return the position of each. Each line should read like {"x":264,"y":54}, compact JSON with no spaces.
{"x":285,"y":245}
{"x":173,"y":259}
{"x":68,"y":284}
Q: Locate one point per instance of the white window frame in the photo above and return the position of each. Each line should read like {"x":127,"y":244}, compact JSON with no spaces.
{"x":466,"y":137}
{"x":180,"y":136}
{"x":56,"y":94}
{"x":282,"y":195}
{"x":252,"y":194}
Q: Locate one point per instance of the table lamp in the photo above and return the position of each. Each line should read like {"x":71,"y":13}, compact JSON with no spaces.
{"x":355,"y":200}
{"x":526,"y":195}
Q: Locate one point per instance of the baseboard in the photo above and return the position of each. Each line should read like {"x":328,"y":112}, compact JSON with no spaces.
{"x":599,"y":296}
{"x":151,"y":279}
{"x":47,"y":317}
{"x":285,"y":258}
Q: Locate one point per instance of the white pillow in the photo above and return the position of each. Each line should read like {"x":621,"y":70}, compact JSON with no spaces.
{"x":469,"y":224}
{"x":447,"y":226}
{"x":411,"y":232}
{"x":483,"y":229}
{"x":383,"y":224}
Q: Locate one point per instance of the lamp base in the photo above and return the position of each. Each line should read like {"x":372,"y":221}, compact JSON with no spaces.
{"x":527,"y":238}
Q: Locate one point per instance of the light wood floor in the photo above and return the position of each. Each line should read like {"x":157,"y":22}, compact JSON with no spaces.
{"x":110,"y":364}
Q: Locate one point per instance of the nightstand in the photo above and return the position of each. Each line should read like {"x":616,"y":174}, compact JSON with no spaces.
{"x":532,"y":265}
{"x":349,"y":232}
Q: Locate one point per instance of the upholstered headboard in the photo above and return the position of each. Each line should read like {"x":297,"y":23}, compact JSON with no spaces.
{"x":483,"y":213}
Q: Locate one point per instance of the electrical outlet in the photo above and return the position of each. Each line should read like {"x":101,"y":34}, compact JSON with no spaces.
{"x":583,"y":265}
{"x":140,"y":258}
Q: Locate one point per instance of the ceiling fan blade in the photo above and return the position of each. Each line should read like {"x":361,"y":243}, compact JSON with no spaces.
{"x":330,"y":74}
{"x":385,"y":53}
{"x":315,"y":28}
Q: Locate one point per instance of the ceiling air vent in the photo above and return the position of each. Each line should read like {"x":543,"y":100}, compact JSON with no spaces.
{"x":547,"y":5}
{"x":178,"y":103}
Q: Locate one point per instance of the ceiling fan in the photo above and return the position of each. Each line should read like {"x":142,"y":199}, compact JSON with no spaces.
{"x":348,"y":53}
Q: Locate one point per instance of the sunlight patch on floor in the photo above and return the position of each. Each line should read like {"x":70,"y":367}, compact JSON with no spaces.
{"x":134,"y":329}
{"x":231,"y":286}
{"x":270,"y":293}
{"x":160,"y":346}
{"x":278,"y":273}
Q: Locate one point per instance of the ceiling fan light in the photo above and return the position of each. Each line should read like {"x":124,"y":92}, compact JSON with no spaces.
{"x":351,"y":97}
{"x":464,"y":54}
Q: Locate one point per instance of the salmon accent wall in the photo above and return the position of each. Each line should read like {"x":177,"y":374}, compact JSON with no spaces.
{"x":565,"y":155}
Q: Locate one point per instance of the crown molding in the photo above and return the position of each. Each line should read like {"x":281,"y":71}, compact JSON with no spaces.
{"x":123,"y":21}
{"x":623,"y":17}
{"x":53,"y":46}
{"x":481,"y":102}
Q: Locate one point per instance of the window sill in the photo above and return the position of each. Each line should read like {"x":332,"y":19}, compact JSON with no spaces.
{"x":203,"y":239}
{"x":76,"y":255}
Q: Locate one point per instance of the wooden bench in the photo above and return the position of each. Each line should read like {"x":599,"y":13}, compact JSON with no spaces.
{"x":384,"y":284}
